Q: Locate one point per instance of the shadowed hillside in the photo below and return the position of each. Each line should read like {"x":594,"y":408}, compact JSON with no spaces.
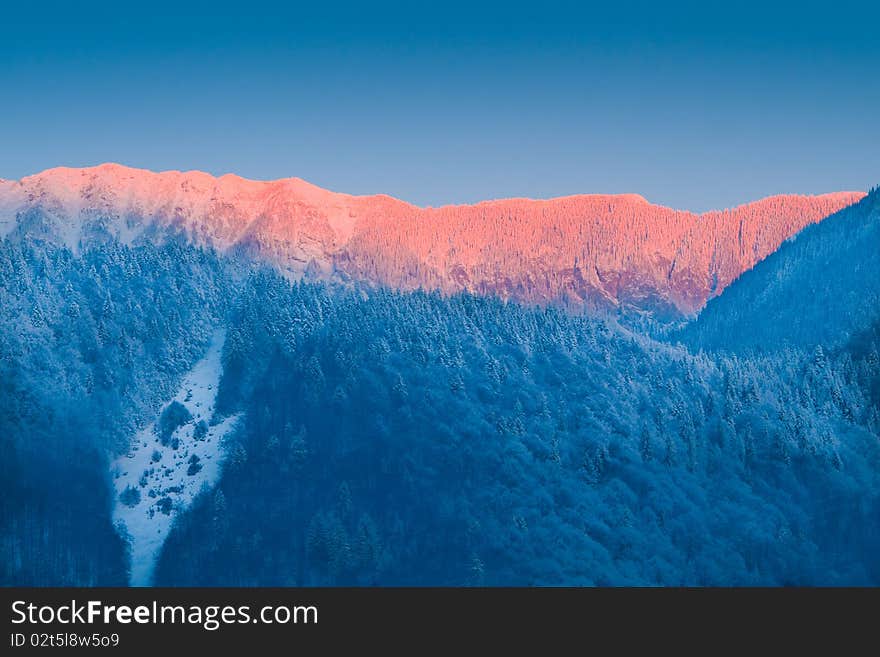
{"x":822,"y":287}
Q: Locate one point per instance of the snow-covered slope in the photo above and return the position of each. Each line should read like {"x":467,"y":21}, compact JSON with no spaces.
{"x":821,"y":287}
{"x":617,"y":251}
{"x":170,"y":462}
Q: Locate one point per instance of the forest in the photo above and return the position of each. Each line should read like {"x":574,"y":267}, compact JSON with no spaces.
{"x":414,"y":437}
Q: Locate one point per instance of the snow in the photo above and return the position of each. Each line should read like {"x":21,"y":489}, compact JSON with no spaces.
{"x":161,"y":472}
{"x":519,"y":249}
{"x":11,"y":198}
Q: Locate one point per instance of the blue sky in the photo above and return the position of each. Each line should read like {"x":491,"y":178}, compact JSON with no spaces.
{"x":687,"y":104}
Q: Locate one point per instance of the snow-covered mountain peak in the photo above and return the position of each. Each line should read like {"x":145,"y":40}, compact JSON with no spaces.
{"x":618,"y":251}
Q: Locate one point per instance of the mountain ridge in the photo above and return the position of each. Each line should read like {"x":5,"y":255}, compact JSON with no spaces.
{"x":613,"y":251}
{"x":230,"y":176}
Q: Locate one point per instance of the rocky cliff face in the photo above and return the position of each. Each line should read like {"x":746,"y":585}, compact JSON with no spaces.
{"x":584,"y":251}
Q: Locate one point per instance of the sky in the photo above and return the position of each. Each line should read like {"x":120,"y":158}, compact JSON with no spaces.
{"x":688,"y":104}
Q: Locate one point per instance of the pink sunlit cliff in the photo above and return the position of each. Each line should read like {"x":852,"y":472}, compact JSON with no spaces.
{"x":581,"y":251}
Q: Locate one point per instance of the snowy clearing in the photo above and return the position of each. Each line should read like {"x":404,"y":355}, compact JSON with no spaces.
{"x":170,"y":462}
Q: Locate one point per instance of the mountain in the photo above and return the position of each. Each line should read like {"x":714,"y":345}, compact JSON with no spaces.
{"x":608,"y":251}
{"x":184,"y":399}
{"x":821,"y":288}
